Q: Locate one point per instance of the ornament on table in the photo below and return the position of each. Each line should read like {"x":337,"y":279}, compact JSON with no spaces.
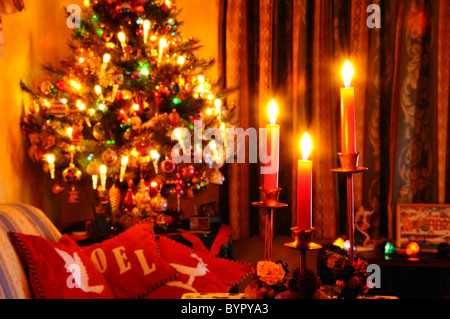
{"x":114,"y":199}
{"x":159,"y":203}
{"x":57,"y":188}
{"x":167,"y":166}
{"x":174,"y":118}
{"x":93,"y":169}
{"x":109,"y":157}
{"x":98,"y":132}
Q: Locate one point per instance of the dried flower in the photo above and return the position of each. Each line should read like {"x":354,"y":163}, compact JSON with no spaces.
{"x":270,"y":272}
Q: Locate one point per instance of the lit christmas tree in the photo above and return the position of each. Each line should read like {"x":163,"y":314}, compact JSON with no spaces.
{"x":108,"y":113}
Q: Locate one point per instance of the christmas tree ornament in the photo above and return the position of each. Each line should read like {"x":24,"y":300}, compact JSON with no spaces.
{"x":73,"y":196}
{"x":77,"y":133}
{"x":174,"y":118}
{"x":167,"y":166}
{"x":103,"y":171}
{"x":71,"y":174}
{"x":102,"y":196}
{"x":114,"y":199}
{"x":57,"y":188}
{"x":46,"y":87}
{"x":188,"y":172}
{"x":93,"y":169}
{"x":57,"y":109}
{"x":143,"y":196}
{"x":51,"y":164}
{"x":144,"y":149}
{"x":129,"y":201}
{"x":154,"y":186}
{"x":123,"y":168}
{"x":159,"y":203}
{"x":109,"y":157}
{"x":136,"y":122}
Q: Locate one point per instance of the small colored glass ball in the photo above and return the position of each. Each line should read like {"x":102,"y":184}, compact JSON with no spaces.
{"x":71,"y":174}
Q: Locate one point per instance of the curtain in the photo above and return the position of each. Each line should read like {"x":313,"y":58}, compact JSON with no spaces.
{"x":401,"y":86}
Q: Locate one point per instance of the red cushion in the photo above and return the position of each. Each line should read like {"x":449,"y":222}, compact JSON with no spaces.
{"x":197,"y":271}
{"x":130,"y":262}
{"x":59,"y":270}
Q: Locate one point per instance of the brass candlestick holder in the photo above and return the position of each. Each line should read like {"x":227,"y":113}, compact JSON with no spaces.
{"x":269,"y":203}
{"x":349,"y":167}
{"x":303,"y":243}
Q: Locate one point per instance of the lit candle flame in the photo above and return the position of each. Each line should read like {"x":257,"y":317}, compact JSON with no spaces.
{"x":305,"y":146}
{"x":347,"y":73}
{"x":273,"y":112}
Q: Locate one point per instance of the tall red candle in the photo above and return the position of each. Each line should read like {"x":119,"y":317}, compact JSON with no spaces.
{"x":304,"y":186}
{"x":348,"y":129}
{"x":273,"y":146}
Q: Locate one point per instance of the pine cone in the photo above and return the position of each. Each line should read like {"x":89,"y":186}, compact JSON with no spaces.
{"x":306,"y":283}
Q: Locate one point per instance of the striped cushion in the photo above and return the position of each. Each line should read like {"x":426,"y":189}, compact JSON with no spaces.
{"x":21,"y":218}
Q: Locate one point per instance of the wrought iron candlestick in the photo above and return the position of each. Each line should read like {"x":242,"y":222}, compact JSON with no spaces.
{"x":303,"y":243}
{"x":349,"y":167}
{"x":270,"y":203}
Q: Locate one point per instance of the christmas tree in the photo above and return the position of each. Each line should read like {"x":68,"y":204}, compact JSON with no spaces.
{"x":108,"y":112}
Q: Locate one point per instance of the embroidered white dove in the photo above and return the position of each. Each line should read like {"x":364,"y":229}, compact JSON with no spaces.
{"x":198,"y":271}
{"x":75,"y":266}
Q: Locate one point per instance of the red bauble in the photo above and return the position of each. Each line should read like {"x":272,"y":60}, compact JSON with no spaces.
{"x":188,"y":172}
{"x":109,"y":157}
{"x":174,"y":118}
{"x":167,"y":166}
{"x":129,"y":201}
{"x":143,"y":149}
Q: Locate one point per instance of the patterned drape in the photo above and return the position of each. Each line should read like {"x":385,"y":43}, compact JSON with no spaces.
{"x":402,"y":99}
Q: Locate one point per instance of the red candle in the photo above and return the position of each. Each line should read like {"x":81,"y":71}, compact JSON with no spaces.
{"x":348,"y":135}
{"x":304,"y":186}
{"x":273,"y":146}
